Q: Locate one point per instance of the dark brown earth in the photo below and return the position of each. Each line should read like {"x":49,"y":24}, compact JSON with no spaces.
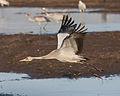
{"x":102,"y":50}
{"x":65,"y":3}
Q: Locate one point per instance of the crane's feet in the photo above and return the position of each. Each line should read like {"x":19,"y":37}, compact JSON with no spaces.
{"x":27,"y":59}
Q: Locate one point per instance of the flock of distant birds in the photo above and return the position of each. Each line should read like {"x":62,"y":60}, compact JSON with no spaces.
{"x":57,"y":17}
{"x":70,"y":36}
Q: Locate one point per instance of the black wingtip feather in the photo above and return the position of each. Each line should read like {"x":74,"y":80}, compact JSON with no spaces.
{"x":66,"y":20}
{"x":69,"y":26}
{"x":78,"y":27}
{"x":63,"y":19}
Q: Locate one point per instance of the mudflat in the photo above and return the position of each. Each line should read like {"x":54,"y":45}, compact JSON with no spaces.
{"x":102,"y":49}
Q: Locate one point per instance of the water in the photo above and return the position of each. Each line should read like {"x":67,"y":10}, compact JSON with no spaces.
{"x":14,"y":20}
{"x":15,"y":84}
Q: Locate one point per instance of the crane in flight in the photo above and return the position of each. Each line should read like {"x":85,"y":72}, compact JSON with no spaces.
{"x":70,"y":43}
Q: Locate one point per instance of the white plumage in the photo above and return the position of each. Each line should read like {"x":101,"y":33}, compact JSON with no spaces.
{"x":70,"y":43}
{"x":4,"y":2}
{"x":82,"y":6}
{"x":61,"y":37}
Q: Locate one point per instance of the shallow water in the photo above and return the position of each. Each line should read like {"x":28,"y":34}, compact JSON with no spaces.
{"x":14,"y":20}
{"x":20,"y":85}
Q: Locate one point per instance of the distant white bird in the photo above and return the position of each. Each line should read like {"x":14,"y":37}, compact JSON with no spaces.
{"x":70,"y":43}
{"x":4,"y":2}
{"x":38,"y":19}
{"x":81,"y":6}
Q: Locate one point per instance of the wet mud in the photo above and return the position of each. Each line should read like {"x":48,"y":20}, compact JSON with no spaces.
{"x":102,"y":49}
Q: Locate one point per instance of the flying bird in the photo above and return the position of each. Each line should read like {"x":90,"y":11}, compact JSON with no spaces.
{"x":81,"y":6}
{"x":4,"y":2}
{"x":70,"y":43}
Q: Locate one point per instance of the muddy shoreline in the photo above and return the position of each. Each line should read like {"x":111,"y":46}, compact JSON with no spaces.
{"x":102,"y":49}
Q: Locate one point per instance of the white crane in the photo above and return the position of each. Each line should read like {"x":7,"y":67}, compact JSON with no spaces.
{"x":70,"y":43}
{"x":38,"y":19}
{"x":4,"y":2}
{"x":81,"y":6}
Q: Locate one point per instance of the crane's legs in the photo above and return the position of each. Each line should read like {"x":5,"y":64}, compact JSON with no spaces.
{"x":40,"y":27}
{"x":44,"y":27}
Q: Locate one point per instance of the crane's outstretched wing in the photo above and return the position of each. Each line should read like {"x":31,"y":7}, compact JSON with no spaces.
{"x":67,"y":27}
{"x":74,"y":42}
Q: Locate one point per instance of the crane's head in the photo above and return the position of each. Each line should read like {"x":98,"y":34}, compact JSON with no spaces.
{"x":43,"y":10}
{"x":28,"y":14}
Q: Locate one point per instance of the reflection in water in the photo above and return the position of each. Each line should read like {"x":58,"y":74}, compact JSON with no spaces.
{"x":60,"y":87}
{"x":18,"y":23}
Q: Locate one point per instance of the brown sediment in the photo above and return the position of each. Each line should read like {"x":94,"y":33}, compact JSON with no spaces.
{"x":65,"y":3}
{"x":102,"y":50}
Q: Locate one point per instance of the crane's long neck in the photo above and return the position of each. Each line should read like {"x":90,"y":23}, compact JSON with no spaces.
{"x":43,"y":57}
{"x":47,"y":14}
{"x":51,"y":55}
